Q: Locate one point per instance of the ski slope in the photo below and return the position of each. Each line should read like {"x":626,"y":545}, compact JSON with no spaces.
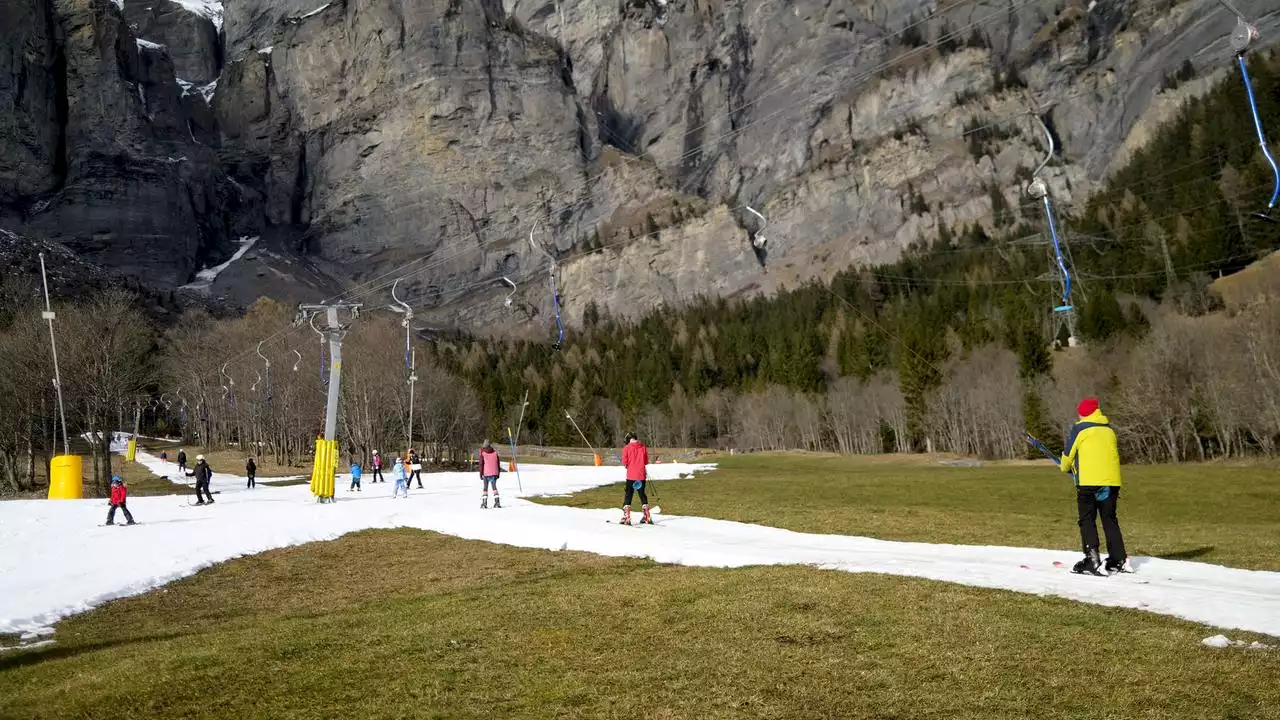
{"x":56,"y":559}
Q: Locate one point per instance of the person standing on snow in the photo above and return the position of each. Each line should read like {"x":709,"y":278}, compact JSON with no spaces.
{"x":203,"y":475}
{"x":490,"y":469}
{"x":402,"y":480}
{"x":182,"y":460}
{"x":377,"y":468}
{"x":415,"y":468}
{"x":118,"y":495}
{"x":251,"y":470}
{"x":356,"y":472}
{"x":1094,"y":456}
{"x":635,"y":456}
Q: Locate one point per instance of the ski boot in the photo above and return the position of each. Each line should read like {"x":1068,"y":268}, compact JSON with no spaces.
{"x":626,"y":515}
{"x":484,"y":503}
{"x":496,"y":502}
{"x":645,"y":518}
{"x":1090,"y":565}
{"x":1121,"y":565}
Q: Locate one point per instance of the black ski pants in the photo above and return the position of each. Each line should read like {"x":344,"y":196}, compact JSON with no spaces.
{"x":377,"y":475}
{"x":1090,"y":507}
{"x":644,"y":499}
{"x":203,"y":485}
{"x":111,"y":514}
{"x":252,"y":482}
{"x":415,"y":474}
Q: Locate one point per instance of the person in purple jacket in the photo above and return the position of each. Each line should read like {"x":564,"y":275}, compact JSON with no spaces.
{"x":490,"y":468}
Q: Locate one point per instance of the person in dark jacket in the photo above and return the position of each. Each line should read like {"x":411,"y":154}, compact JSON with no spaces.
{"x":1093,"y":457}
{"x":414,"y":464}
{"x":635,"y":456}
{"x":118,"y":495}
{"x":251,"y":470}
{"x":203,"y":474}
{"x":182,"y":460}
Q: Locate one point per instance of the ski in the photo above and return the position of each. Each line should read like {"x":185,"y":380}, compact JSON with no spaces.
{"x":123,"y":524}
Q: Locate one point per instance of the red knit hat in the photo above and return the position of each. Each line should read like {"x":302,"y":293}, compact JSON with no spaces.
{"x":1087,"y":407}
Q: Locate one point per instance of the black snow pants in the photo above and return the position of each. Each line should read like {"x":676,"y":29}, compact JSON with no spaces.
{"x":1089,"y":507}
{"x":203,"y":485}
{"x":111,"y":514}
{"x":644,"y":499}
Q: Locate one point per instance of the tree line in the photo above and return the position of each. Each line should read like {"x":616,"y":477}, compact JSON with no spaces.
{"x":201,"y":379}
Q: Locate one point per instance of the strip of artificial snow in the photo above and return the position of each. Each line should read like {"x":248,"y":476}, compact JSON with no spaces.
{"x":205,"y":277}
{"x":55,"y":559}
{"x":148,"y":45}
{"x":211,"y":9}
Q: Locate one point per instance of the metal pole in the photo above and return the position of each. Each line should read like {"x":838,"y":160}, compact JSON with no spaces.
{"x":413,"y":378}
{"x":57,"y":375}
{"x":335,"y":373}
{"x":519,"y":423}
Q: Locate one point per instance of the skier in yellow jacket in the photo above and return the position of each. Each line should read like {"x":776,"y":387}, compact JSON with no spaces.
{"x":1094,"y":458}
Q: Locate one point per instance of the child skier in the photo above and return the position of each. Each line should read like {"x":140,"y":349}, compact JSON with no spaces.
{"x":118,"y":495}
{"x":1093,"y":454}
{"x":377,"y":468}
{"x":635,"y":456}
{"x":356,"y":472}
{"x":251,"y":470}
{"x":402,"y":480}
{"x":490,"y":468}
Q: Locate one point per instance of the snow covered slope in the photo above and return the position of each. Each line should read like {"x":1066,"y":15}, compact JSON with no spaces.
{"x":56,"y":560}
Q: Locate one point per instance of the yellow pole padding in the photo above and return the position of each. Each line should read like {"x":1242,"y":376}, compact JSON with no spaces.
{"x":131,"y":453}
{"x":324,"y":467}
{"x":65,"y":479}
{"x":599,"y":462}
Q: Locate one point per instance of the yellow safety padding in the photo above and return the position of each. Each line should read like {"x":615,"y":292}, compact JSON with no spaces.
{"x":599,"y":462}
{"x":324,"y":468}
{"x":66,"y":481}
{"x":131,"y":453}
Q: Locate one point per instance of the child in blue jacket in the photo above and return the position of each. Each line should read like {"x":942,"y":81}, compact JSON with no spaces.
{"x":356,"y":472}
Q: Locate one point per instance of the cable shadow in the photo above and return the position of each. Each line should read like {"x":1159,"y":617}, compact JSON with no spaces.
{"x":1187,"y":554}
{"x":61,"y":652}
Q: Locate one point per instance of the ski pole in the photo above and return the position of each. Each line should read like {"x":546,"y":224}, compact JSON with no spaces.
{"x":1044,"y":450}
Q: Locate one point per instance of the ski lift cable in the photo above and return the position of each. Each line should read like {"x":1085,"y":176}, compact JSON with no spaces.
{"x":866,"y":76}
{"x":863,"y":77}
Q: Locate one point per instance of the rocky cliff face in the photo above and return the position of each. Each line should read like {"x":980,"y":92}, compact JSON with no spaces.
{"x":430,"y":138}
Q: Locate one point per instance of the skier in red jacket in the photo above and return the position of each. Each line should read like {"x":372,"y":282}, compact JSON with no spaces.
{"x":635,"y":456}
{"x":490,"y":468}
{"x":118,"y":494}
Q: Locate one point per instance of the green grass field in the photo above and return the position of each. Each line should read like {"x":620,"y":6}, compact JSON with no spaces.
{"x":404,"y":623}
{"x":1217,"y":514}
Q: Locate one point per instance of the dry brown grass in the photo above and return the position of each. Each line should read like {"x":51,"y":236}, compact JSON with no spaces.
{"x":391,"y":624}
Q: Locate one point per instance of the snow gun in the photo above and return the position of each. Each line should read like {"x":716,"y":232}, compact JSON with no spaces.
{"x":1045,"y":451}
